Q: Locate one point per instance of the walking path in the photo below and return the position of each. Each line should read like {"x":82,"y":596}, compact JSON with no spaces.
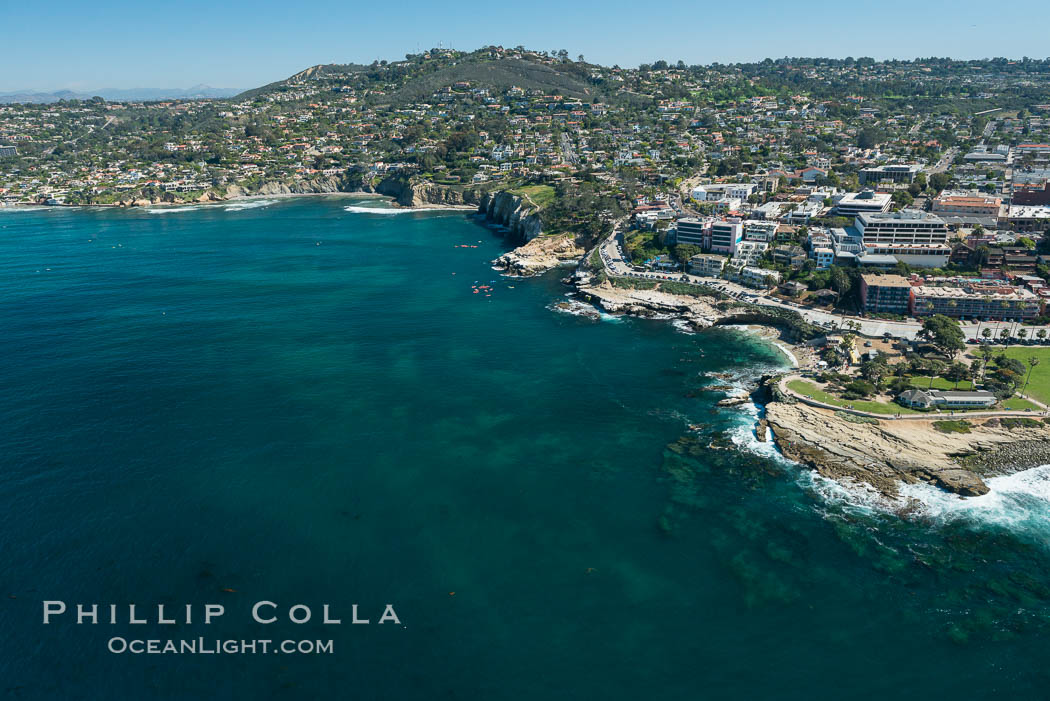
{"x":935,"y":414}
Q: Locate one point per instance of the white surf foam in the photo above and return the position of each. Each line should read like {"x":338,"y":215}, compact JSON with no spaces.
{"x":787,"y":352}
{"x":854,"y":497}
{"x":248,"y":204}
{"x":359,"y":209}
{"x":682,"y":326}
{"x":1020,"y":500}
{"x":577,"y":308}
{"x":170,"y":210}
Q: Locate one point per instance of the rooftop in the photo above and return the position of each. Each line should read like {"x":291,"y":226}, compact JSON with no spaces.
{"x":886,"y":280}
{"x":915,"y":215}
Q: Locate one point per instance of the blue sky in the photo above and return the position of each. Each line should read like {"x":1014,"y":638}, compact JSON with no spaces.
{"x":81,"y":45}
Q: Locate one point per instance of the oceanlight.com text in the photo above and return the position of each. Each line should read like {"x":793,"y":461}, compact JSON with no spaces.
{"x":213,"y":646}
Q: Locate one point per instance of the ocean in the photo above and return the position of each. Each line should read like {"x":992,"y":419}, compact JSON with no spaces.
{"x":319,"y":401}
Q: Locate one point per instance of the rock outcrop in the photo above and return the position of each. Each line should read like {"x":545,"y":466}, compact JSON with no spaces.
{"x":540,"y":255}
{"x":884,"y":453}
{"x":699,"y":312}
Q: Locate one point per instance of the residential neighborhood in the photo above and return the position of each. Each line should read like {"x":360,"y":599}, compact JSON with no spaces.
{"x":771,"y":175}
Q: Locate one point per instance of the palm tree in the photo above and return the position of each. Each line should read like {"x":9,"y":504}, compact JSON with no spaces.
{"x":987,"y":332}
{"x":1032,"y":362}
{"x":1041,"y":334}
{"x":1022,"y":333}
{"x":1004,"y":334}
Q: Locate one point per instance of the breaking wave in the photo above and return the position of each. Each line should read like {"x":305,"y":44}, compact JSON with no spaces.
{"x":170,"y":210}
{"x":249,"y":204}
{"x":577,"y":308}
{"x":360,"y":209}
{"x":1020,"y":501}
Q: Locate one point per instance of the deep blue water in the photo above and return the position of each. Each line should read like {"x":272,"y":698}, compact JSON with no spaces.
{"x":308,"y":405}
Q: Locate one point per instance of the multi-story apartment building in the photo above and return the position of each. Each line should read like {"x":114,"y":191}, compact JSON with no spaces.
{"x":975,"y":302}
{"x":824,"y":257}
{"x":725,"y":235}
{"x":707,"y":265}
{"x":885,"y":294}
{"x":696,"y":232}
{"x":759,"y":230}
{"x":758,"y":277}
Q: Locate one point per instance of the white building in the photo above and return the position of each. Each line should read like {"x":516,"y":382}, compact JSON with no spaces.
{"x":707,"y":265}
{"x":759,"y":277}
{"x":759,"y":230}
{"x":749,"y":253}
{"x":906,"y":227}
{"x":853,"y":203}
{"x":911,"y":236}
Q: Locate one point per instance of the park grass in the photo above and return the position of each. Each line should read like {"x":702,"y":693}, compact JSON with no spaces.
{"x":938,"y":383}
{"x":1020,"y":404}
{"x":1039,"y":384}
{"x":808,"y":389}
{"x":541,"y":195}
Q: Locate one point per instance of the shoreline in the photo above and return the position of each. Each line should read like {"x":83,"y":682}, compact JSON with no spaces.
{"x":853,"y":451}
{"x":888,"y":455}
{"x":696,"y":312}
{"x":360,"y":194}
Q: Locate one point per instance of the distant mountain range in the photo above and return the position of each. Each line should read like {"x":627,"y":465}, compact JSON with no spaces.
{"x":120,"y":94}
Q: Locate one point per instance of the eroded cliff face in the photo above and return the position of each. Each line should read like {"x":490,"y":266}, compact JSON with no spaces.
{"x":419,"y":194}
{"x":522,"y":221}
{"x":296,"y":187}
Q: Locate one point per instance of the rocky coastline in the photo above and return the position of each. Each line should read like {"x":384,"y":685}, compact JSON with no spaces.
{"x":884,"y":453}
{"x":540,"y":255}
{"x":854,"y":450}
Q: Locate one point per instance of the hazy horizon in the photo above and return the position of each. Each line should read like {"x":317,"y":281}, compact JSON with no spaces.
{"x":119,"y":45}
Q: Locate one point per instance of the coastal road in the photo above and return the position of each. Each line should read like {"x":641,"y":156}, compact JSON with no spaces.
{"x":615,"y":261}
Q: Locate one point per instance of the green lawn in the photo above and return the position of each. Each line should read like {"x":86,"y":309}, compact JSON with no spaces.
{"x":1021,"y":404}
{"x":808,"y":389}
{"x":938,"y":383}
{"x":541,"y":195}
{"x":1039,"y":385}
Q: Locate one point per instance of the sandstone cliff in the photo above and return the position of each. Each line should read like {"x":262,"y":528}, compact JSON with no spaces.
{"x":522,"y":221}
{"x":420,"y":193}
{"x":295,"y":187}
{"x":884,"y":453}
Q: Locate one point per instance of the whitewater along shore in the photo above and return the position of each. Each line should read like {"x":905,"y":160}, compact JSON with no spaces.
{"x":883,"y":453}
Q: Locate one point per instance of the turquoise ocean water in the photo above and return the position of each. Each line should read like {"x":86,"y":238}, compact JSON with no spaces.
{"x":306,"y":404}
